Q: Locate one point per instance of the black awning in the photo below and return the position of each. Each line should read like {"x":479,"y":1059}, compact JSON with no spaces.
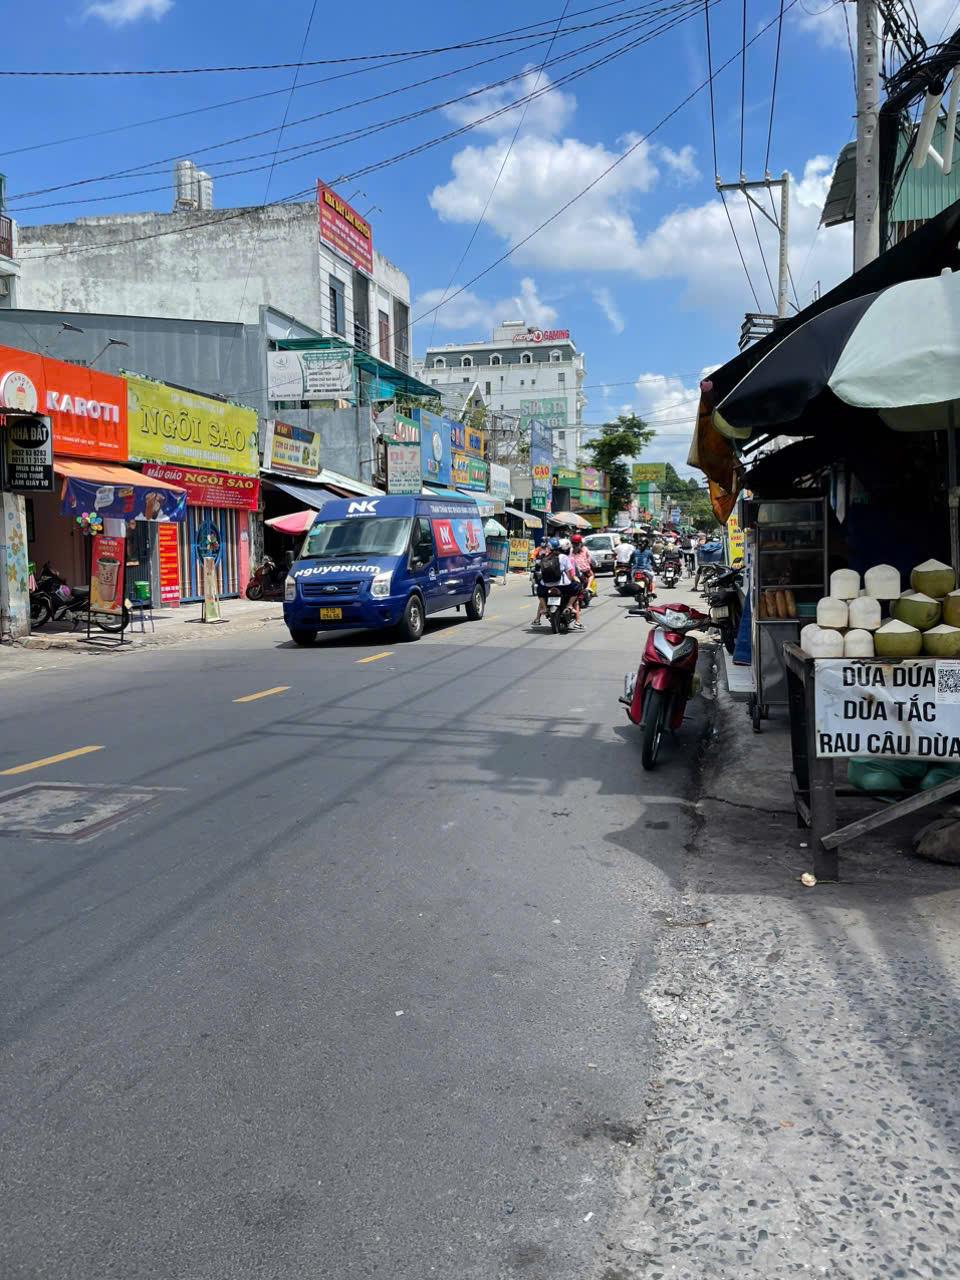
{"x":311,"y":495}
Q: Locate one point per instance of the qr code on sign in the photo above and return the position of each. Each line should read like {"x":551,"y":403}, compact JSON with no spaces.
{"x":948,"y":681}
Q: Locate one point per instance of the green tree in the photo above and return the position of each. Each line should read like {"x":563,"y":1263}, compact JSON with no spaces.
{"x":690,"y":497}
{"x":625,"y":438}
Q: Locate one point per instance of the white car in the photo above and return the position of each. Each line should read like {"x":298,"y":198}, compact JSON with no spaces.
{"x":602,"y":548}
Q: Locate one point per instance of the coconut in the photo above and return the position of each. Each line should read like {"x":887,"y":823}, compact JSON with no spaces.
{"x":858,"y":644}
{"x":942,"y":641}
{"x":865,"y":613}
{"x":806,"y":634}
{"x":951,"y":609}
{"x":897,"y":639}
{"x":825,"y":644}
{"x":832,"y":612}
{"x":845,"y":584}
{"x":919,"y":610}
{"x":882,"y":582}
{"x":933,"y":578}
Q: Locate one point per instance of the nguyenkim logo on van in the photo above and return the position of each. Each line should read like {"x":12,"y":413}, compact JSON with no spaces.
{"x":363,"y":508}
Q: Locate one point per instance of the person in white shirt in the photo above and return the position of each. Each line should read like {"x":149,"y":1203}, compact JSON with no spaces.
{"x":624,"y":551}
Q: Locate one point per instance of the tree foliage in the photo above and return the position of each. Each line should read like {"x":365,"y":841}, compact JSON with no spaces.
{"x":617,"y":441}
{"x":690,"y":497}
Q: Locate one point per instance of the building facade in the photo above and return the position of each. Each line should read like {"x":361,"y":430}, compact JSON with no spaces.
{"x":314,"y":260}
{"x":528,"y":374}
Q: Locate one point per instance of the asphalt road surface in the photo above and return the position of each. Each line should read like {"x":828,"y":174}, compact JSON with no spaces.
{"x":329,"y":962}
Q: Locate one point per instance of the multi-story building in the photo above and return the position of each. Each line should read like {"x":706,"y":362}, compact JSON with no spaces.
{"x":314,"y":260}
{"x":9,"y":266}
{"x":525,"y":373}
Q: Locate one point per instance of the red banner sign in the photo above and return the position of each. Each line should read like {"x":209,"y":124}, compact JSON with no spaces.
{"x":87,"y":409}
{"x":209,"y":488}
{"x":106,"y":574}
{"x":344,"y":230}
{"x":169,"y":556}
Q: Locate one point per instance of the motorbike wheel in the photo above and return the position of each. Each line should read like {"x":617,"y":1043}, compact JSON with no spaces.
{"x":729,"y":638}
{"x":40,"y":611}
{"x":563,"y":622}
{"x":254,"y":590}
{"x":654,"y":716}
{"x":112,"y":621}
{"x":554,"y":620}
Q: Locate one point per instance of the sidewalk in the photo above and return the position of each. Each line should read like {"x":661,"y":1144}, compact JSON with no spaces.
{"x":171,"y":627}
{"x":804,"y":1119}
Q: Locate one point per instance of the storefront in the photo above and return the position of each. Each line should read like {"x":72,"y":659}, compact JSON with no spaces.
{"x":209,"y":447}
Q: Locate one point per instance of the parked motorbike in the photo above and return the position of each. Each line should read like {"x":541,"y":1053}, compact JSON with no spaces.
{"x":55,"y":601}
{"x":656,"y":695}
{"x":725,"y":605}
{"x":267,"y":581}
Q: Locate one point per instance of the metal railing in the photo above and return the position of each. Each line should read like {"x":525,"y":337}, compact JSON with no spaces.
{"x":361,"y":336}
{"x":6,"y":236}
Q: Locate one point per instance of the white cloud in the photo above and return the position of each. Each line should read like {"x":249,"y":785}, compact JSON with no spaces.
{"x":468,"y":311}
{"x":604,"y":300}
{"x":669,"y":405}
{"x":547,"y":113}
{"x":828,"y":21}
{"x":681,"y":163}
{"x":118,"y":13}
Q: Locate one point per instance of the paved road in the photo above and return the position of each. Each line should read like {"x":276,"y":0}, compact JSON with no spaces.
{"x":352,"y":985}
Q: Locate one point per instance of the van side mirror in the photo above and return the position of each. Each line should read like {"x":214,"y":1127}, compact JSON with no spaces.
{"x":290,"y":557}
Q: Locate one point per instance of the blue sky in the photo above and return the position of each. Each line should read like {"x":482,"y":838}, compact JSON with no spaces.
{"x":643,"y":270}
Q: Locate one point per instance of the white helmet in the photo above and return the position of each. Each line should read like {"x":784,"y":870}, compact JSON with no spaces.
{"x":565,"y":545}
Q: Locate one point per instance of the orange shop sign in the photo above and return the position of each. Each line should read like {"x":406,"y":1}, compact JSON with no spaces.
{"x":87,"y":408}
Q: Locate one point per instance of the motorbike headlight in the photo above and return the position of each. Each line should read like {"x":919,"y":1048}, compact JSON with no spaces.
{"x":380,"y":586}
{"x":289,"y":588}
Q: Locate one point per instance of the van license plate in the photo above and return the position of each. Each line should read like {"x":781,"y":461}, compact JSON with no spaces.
{"x":331,"y":615}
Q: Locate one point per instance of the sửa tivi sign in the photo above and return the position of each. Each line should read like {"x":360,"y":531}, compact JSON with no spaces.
{"x":907,"y":710}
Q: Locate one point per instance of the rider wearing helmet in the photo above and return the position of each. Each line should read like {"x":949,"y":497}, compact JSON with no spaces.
{"x":584,"y":566}
{"x":557,"y":572}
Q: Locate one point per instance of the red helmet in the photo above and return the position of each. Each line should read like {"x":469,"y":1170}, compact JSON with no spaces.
{"x":576,"y":539}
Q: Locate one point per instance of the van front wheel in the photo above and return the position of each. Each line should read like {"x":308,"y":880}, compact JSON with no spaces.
{"x":476,"y":604}
{"x":412,"y":622}
{"x":302,"y":636}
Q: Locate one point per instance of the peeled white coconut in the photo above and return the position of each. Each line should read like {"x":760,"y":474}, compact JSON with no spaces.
{"x":806,"y":634}
{"x":844,"y":584}
{"x":832,"y":612}
{"x":933,"y":578}
{"x":865,"y":613}
{"x":951,"y":609}
{"x":882,"y":582}
{"x":858,"y":644}
{"x":919,"y":610}
{"x":942,"y":641}
{"x":825,"y":644}
{"x":896,"y":639}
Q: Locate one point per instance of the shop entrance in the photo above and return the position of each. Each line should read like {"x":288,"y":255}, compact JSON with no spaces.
{"x":226,"y":522}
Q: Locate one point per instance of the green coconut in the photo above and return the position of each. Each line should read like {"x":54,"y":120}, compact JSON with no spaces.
{"x":951,"y":609}
{"x":919,"y":610}
{"x":933,"y":578}
{"x":896,"y":639}
{"x":942,"y":641}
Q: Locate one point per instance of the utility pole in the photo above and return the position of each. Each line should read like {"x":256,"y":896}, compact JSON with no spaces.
{"x":781,"y":223}
{"x":866,"y":224}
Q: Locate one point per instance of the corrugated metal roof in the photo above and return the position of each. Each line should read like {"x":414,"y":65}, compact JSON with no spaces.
{"x":839,"y":204}
{"x":921,"y":194}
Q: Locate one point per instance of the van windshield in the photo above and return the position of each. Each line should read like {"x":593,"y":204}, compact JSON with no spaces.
{"x":336,"y":539}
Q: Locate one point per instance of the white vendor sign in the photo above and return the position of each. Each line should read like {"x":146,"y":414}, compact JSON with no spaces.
{"x":906,"y":710}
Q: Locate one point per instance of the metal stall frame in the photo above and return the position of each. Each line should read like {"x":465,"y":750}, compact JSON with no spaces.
{"x":815,"y":789}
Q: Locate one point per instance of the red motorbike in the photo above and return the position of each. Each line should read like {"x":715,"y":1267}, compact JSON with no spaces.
{"x":656,"y":695}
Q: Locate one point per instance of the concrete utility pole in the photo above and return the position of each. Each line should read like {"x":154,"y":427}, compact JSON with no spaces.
{"x":866,"y":224}
{"x":782,"y":224}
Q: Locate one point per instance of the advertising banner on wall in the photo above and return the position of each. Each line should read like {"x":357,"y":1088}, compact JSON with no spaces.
{"x":403,"y":467}
{"x":895,"y":711}
{"x":310,"y":375}
{"x":650,"y":472}
{"x":210,"y":488}
{"x":519,"y":553}
{"x":405,"y":429}
{"x":549,"y":411}
{"x":87,"y":409}
{"x":541,"y":465}
{"x":189,"y":429}
{"x":293,"y":450}
{"x":342,"y":228}
{"x":591,"y":482}
{"x":434,"y":447}
{"x":27,"y":449}
{"x":168,"y":554}
{"x":468,"y":472}
{"x":500,"y":481}
{"x":122,"y":501}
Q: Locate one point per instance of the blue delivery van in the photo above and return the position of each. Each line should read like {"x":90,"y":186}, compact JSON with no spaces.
{"x":383,"y":562}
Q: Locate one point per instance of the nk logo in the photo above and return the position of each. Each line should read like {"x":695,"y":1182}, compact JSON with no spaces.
{"x":364,"y":508}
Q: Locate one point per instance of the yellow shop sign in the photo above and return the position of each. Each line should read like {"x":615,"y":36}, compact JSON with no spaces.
{"x":165,"y":424}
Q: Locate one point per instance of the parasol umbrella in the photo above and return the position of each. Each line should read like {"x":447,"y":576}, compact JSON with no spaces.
{"x":569,"y":520}
{"x":895,"y":352}
{"x":298,"y":522}
{"x":494,"y":529}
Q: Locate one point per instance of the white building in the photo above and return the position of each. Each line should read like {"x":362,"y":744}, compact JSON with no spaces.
{"x":9,"y":266}
{"x":521,"y":372}
{"x":314,"y":260}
